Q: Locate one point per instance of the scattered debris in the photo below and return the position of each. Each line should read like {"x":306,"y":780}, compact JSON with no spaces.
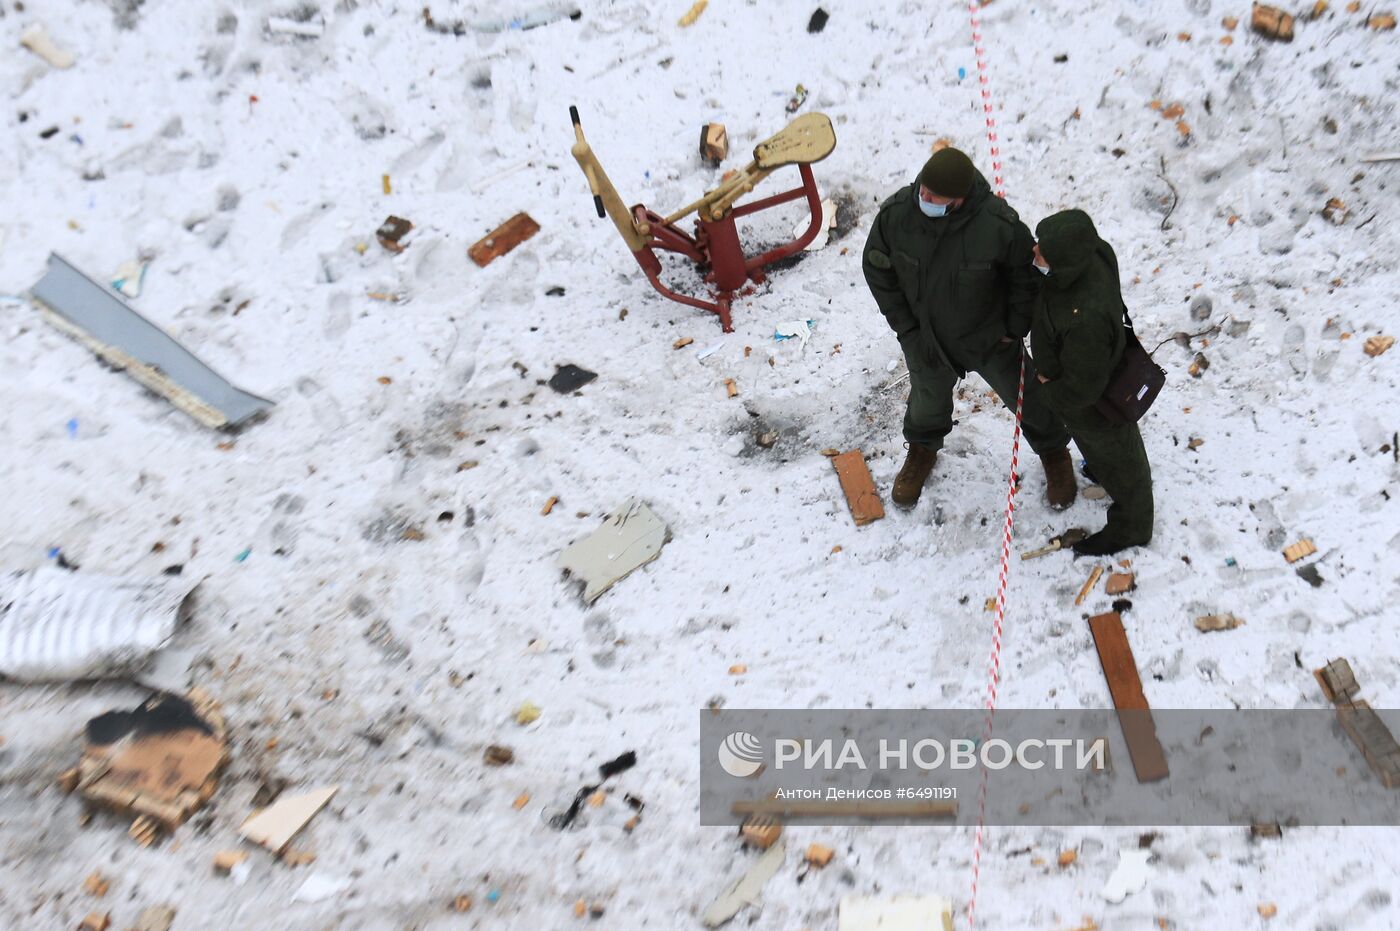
{"x":761,"y":831}
{"x":861,"y":495}
{"x":799,"y":96}
{"x":828,"y":222}
{"x":96,"y":885}
{"x":503,"y":239}
{"x":155,"y":918}
{"x":630,"y":537}
{"x":319,"y":887}
{"x":617,"y":765}
{"x":1124,"y":684}
{"x":1300,"y":550}
{"x":1262,"y":830}
{"x":527,"y":713}
{"x":714,"y":143}
{"x":497,"y":755}
{"x":274,"y":826}
{"x":386,"y":185}
{"x":683,"y":342}
{"x":1199,"y":365}
{"x":1360,"y":721}
{"x":1088,"y":585}
{"x":1268,"y":910}
{"x":392,"y":232}
{"x":282,"y":25}
{"x":1272,"y":23}
{"x":121,"y":337}
{"x":818,"y":21}
{"x":768,"y":439}
{"x":746,"y":889}
{"x":1311,"y":575}
{"x":569,"y":378}
{"x":129,"y":277}
{"x":1120,"y":583}
{"x":896,"y":913}
{"x":1209,"y":622}
{"x":64,"y":625}
{"x":1057,"y":543}
{"x":819,"y":855}
{"x":1381,"y":22}
{"x":831,"y":452}
{"x":462,"y":903}
{"x":549,"y":505}
{"x":158,"y":762}
{"x":226,"y":862}
{"x":1130,"y":875}
{"x":37,"y":41}
{"x":800,"y":330}
{"x":1094,"y":493}
{"x":1375,"y":345}
{"x":1335,"y":211}
{"x":96,"y":921}
{"x":692,"y":14}
{"x":731,"y":388}
{"x":1067,"y":857}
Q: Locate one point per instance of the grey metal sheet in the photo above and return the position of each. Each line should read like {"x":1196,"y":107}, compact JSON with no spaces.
{"x":98,"y":317}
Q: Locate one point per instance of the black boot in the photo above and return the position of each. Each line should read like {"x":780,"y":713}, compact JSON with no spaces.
{"x":1099,"y":544}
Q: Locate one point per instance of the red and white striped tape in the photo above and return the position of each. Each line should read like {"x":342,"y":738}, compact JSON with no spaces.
{"x":994,"y":673}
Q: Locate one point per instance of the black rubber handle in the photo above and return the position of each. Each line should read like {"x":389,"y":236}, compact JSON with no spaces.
{"x":573,"y":114}
{"x":598,"y":202}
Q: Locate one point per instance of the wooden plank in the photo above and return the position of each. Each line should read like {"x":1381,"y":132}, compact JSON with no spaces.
{"x":503,"y":239}
{"x":1089,"y":585}
{"x":864,"y":500}
{"x":1135,"y":717}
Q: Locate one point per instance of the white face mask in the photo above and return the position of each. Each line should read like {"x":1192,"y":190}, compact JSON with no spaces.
{"x":932,"y":210}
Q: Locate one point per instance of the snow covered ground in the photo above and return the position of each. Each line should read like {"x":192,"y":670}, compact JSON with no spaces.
{"x":247,"y":165}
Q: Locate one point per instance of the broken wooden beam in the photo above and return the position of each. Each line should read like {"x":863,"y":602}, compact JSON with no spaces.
{"x":1134,"y":714}
{"x":1088,"y":585}
{"x":861,"y":496}
{"x":1360,"y":721}
{"x":503,"y":239}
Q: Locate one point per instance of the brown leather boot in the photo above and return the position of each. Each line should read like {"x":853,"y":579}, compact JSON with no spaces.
{"x":909,"y":482}
{"x":1060,"y":486}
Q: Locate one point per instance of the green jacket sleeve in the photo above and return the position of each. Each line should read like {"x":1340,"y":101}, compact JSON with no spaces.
{"x":1086,"y":360}
{"x":884,"y":283}
{"x":1023,"y":282}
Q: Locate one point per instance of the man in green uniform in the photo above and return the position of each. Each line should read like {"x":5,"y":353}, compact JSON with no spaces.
{"x":949,"y":264}
{"x":1077,"y":338}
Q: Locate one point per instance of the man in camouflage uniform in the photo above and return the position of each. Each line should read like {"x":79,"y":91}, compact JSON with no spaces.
{"x":1077,"y":336}
{"x":950,"y":266}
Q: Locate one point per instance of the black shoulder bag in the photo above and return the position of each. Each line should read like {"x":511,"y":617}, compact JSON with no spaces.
{"x":1135,"y":383}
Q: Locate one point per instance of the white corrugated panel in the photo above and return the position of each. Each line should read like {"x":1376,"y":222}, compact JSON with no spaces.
{"x":66,"y":625}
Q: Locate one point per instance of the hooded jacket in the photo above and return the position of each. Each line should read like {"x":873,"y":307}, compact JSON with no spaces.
{"x":1077,"y":333}
{"x":952,"y":287}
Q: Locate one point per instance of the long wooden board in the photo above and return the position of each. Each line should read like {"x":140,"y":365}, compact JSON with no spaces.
{"x":859,"y":487}
{"x":1135,"y":717}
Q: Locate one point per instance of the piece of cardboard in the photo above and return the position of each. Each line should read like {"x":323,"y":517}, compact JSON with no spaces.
{"x":276,"y":825}
{"x":861,"y":495}
{"x":895,"y":913}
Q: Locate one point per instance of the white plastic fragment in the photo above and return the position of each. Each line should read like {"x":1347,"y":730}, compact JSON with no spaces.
{"x":276,"y":825}
{"x":1130,"y":875}
{"x":320,"y":886}
{"x":285,"y":26}
{"x":37,"y":41}
{"x":702,"y":354}
{"x":79,"y":625}
{"x":824,"y":231}
{"x":790,"y":329}
{"x":746,"y":889}
{"x":129,"y":277}
{"x":631,"y":537}
{"x":895,"y":913}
